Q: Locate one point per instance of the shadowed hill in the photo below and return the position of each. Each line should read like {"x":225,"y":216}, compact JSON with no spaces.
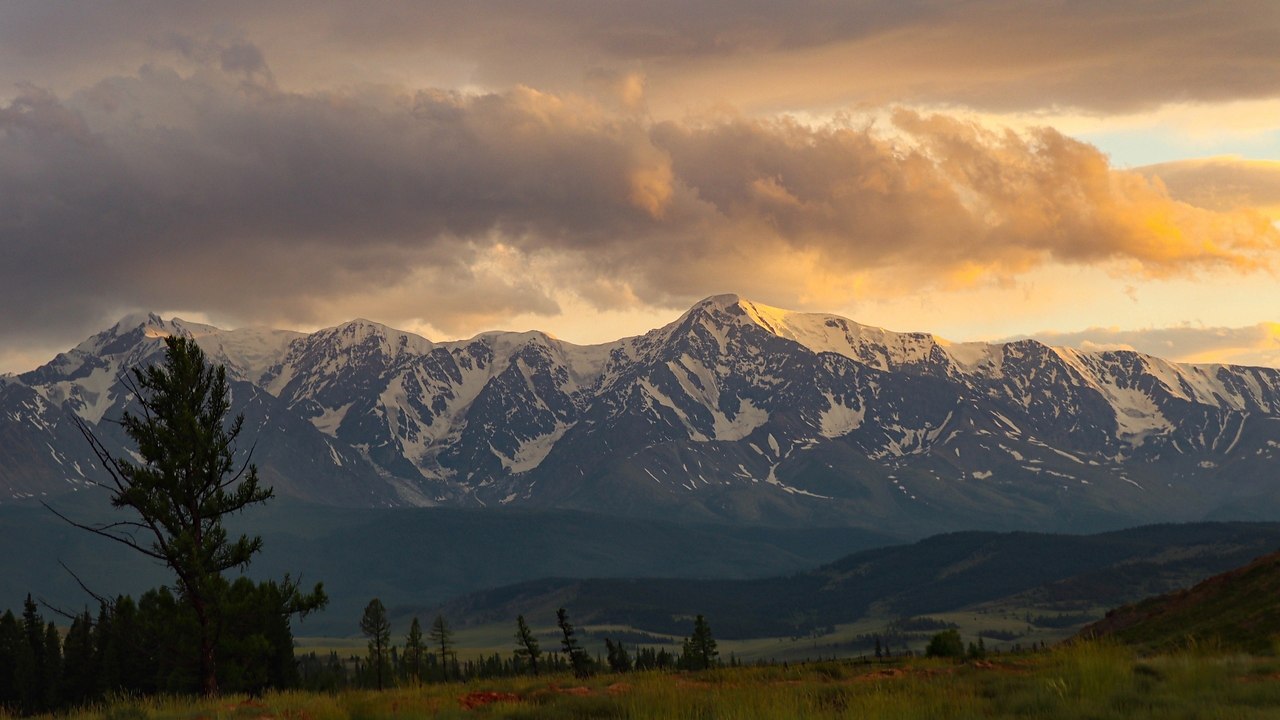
{"x":1235,"y":610}
{"x":938,"y":574}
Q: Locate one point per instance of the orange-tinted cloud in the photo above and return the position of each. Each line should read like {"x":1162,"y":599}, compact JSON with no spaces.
{"x":1223,"y":183}
{"x":220,"y":191}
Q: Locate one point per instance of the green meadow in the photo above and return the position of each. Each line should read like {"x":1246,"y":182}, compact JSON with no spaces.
{"x":1081,"y":680}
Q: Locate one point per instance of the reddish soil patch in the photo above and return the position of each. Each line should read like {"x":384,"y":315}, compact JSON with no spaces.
{"x":471,"y":701}
{"x":581,"y":690}
{"x":618,"y":688}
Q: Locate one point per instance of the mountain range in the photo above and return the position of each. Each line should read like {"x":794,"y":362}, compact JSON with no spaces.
{"x":735,"y":412}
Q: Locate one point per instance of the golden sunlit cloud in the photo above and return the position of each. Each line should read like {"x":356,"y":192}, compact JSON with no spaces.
{"x":1223,"y":183}
{"x":446,"y":208}
{"x":448,"y":166}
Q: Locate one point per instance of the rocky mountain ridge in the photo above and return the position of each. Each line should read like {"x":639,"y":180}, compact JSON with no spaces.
{"x":734,"y":412}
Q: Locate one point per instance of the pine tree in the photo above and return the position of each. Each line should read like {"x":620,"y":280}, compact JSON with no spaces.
{"x":527,"y":644}
{"x":79,"y":669}
{"x":442,"y":637}
{"x":11,"y":642}
{"x":184,"y":483}
{"x":30,"y":672}
{"x":578,"y":658}
{"x":377,"y":628}
{"x":618,"y":658}
{"x":413,"y":651}
{"x":51,"y":667}
{"x":702,"y":646}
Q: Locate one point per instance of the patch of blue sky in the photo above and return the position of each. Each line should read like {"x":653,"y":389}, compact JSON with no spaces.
{"x":1131,"y":148}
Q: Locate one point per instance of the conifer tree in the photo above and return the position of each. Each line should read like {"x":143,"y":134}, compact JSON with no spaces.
{"x":701,"y":646}
{"x":618,"y":657}
{"x":11,"y":641}
{"x":442,"y":637}
{"x":30,"y":673}
{"x":377,"y":628}
{"x":79,"y":669}
{"x":578,"y":657}
{"x":51,"y":667}
{"x":413,"y":651}
{"x":184,"y":482}
{"x":527,"y":644}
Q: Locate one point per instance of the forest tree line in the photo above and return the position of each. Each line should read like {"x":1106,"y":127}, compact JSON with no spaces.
{"x":145,"y":647}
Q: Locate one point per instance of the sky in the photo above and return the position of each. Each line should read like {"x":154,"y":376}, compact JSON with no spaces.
{"x":1089,"y":173}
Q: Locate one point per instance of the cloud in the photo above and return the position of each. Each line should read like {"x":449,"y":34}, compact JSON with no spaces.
{"x":991,"y":54}
{"x":1222,"y":183}
{"x":218,"y":191}
{"x":1252,"y":345}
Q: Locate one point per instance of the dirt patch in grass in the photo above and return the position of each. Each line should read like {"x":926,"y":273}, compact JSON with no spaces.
{"x":471,"y":701}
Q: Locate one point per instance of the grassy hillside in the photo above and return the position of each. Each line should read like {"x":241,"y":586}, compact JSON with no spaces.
{"x":1234,"y":611}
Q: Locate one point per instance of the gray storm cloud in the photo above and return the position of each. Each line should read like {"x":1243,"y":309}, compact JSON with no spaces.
{"x":991,"y":54}
{"x":218,"y":190}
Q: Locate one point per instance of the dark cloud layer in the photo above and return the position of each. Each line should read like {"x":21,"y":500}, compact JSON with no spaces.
{"x":220,"y":191}
{"x":991,"y":54}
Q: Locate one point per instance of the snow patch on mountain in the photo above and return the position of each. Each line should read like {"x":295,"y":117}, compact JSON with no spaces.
{"x":532,"y":452}
{"x":839,"y":419}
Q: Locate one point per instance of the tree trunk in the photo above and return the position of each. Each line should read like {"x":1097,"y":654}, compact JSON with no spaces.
{"x":208,"y":669}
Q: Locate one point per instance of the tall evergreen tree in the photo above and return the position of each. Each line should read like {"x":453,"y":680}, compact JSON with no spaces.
{"x":79,"y":666}
{"x":442,"y":637}
{"x":51,"y":667}
{"x":578,"y":657}
{"x":377,"y":628}
{"x":184,"y":483}
{"x":414,"y":651}
{"x":617,"y":655}
{"x":11,"y":642}
{"x":527,"y":644}
{"x":30,"y":675}
{"x":701,"y":646}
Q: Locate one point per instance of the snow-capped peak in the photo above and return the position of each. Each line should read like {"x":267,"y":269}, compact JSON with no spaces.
{"x":393,"y":341}
{"x":822,"y":332}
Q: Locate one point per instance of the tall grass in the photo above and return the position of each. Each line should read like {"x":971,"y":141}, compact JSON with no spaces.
{"x":1093,"y":680}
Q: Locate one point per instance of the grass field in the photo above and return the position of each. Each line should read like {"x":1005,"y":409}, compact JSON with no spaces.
{"x":1093,"y":680}
{"x":485,"y":640}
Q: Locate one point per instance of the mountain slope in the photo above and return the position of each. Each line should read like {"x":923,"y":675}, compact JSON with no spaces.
{"x":735,"y":412}
{"x":939,"y":574}
{"x":406,"y":556}
{"x":1231,"y":611}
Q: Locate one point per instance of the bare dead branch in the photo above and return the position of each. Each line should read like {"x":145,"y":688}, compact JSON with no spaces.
{"x":101,"y":600}
{"x":54,"y":608}
{"x":123,"y":540}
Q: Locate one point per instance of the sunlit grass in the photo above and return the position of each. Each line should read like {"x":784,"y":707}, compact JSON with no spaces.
{"x":1093,"y":680}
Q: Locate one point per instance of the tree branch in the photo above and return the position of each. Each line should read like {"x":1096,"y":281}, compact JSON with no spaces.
{"x":123,"y":540}
{"x":101,"y":600}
